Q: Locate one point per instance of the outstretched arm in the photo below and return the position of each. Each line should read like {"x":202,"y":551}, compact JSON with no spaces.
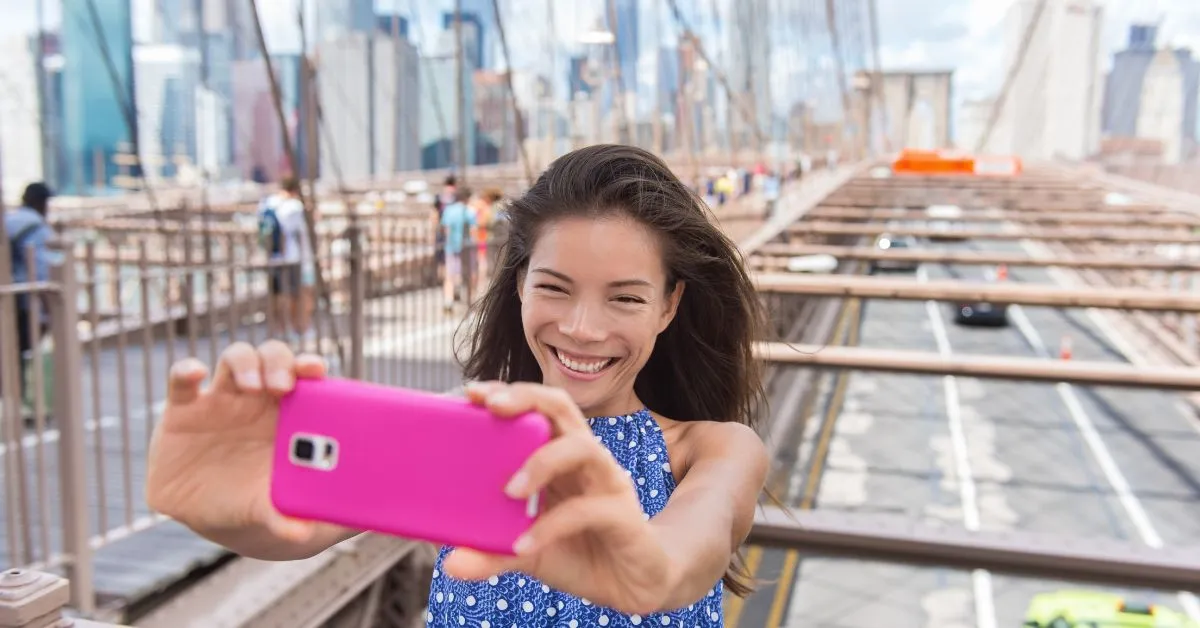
{"x":711,"y":512}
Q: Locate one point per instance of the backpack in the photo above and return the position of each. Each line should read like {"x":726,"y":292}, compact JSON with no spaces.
{"x":270,"y":232}
{"x":16,"y":247}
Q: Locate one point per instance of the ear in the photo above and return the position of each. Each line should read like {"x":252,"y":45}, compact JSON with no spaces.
{"x":671,"y":306}
{"x":521,"y":285}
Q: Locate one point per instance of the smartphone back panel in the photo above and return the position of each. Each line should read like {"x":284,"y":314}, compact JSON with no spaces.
{"x":403,"y":462}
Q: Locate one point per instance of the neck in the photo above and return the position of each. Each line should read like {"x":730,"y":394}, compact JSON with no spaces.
{"x":619,"y":405}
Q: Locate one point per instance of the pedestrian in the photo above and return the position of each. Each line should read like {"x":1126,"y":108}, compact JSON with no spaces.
{"x":29,"y":236}
{"x":457,"y":222}
{"x":626,"y":317}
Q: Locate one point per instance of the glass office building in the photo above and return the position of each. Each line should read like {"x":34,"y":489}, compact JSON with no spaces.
{"x":94,"y":120}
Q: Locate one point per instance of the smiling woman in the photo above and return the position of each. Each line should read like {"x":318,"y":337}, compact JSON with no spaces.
{"x":623,"y":315}
{"x":617,"y":288}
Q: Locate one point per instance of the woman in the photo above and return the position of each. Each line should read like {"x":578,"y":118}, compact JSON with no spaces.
{"x":620,"y":312}
{"x":485,"y":211}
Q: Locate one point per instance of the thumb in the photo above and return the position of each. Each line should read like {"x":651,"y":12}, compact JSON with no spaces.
{"x":466,"y":564}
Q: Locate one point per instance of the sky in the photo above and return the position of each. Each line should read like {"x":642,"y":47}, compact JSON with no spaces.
{"x":966,"y":35}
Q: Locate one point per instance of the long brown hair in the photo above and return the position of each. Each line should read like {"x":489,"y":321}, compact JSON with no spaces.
{"x":702,"y":366}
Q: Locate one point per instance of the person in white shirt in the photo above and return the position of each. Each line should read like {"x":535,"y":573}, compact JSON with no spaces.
{"x":293,"y":284}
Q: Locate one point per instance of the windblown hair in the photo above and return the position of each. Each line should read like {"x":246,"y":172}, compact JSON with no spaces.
{"x":702,"y":366}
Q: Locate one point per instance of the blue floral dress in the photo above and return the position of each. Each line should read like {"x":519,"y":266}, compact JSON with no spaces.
{"x":514,"y":600}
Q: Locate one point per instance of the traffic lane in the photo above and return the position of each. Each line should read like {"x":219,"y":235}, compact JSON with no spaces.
{"x":888,"y":455}
{"x":1151,"y":435}
{"x":839,"y":593}
{"x":1048,"y":449}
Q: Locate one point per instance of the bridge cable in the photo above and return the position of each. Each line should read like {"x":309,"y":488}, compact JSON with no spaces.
{"x":512,"y":95}
{"x":128,"y":110}
{"x":877,"y":82}
{"x":293,"y":161}
{"x":620,"y":119}
{"x":749,"y":117}
{"x":831,"y":25}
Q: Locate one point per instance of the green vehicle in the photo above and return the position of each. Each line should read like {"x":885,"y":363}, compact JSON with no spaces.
{"x":1092,"y":609}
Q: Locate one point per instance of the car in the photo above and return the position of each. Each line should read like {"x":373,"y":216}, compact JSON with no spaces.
{"x":819,"y":264}
{"x":983,"y":313}
{"x":887,"y":242}
{"x":945,"y":221}
{"x":1095,"y":609}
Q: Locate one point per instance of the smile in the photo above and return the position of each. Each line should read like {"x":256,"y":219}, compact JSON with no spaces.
{"x":582,"y":365}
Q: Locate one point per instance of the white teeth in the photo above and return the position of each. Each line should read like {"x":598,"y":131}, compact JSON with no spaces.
{"x":582,"y":367}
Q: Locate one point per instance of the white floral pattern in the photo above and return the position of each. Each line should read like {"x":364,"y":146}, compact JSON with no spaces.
{"x":514,"y":600}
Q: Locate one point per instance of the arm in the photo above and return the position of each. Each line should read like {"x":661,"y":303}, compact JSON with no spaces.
{"x":262,"y":543}
{"x":710,"y":514}
{"x":43,"y":256}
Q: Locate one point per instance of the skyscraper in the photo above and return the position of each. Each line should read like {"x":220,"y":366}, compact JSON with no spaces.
{"x":488,"y":38}
{"x":628,"y":47}
{"x":1125,"y":113}
{"x":336,"y":18}
{"x":473,"y":31}
{"x":94,"y":116}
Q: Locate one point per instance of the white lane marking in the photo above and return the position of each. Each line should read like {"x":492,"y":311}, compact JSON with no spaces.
{"x":1108,"y":465}
{"x":981,"y":579}
{"x":1100,"y":319}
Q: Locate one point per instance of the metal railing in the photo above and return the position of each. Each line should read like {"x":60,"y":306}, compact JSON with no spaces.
{"x":79,"y":408}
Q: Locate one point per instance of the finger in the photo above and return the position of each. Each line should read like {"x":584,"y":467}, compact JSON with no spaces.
{"x":183,"y":382}
{"x":554,"y":403}
{"x":278,"y":366}
{"x":573,"y":517}
{"x":238,"y":369}
{"x":309,"y":366}
{"x":478,"y":392}
{"x":468,"y":564}
{"x":560,"y":457}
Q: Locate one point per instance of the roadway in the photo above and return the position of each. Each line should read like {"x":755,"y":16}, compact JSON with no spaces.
{"x":1080,"y":462}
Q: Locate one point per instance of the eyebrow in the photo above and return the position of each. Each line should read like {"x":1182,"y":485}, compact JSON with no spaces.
{"x":621,"y":283}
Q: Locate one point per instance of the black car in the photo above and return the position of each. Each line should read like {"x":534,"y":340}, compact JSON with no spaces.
{"x":981,"y":313}
{"x":894,"y":243}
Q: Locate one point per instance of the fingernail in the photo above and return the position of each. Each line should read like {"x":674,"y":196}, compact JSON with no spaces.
{"x":249,"y":379}
{"x":279,"y":380}
{"x":523,"y":544}
{"x":516,"y":485}
{"x":500,"y":398}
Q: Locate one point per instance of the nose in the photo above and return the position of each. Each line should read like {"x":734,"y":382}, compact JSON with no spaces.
{"x":583,"y":324}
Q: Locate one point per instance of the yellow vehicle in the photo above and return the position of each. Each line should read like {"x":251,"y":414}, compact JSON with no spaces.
{"x":1093,"y":609}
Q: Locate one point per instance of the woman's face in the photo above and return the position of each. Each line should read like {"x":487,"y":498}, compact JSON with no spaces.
{"x":593,"y":302}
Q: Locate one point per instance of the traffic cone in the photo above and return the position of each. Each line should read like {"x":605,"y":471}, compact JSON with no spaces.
{"x":1002,"y":272}
{"x":1064,"y":348}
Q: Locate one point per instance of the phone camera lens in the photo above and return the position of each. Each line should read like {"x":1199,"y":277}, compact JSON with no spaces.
{"x":303,"y":449}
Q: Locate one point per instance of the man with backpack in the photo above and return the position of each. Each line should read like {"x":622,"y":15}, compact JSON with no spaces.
{"x":28,"y":230}
{"x":283,"y":234}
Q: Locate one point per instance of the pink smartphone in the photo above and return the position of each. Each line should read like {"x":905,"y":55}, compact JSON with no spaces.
{"x":403,"y":462}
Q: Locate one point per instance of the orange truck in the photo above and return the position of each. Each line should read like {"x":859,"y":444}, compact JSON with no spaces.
{"x":934,"y":162}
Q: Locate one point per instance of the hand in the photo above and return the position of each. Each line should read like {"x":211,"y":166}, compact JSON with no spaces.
{"x":210,"y":455}
{"x":592,"y":538}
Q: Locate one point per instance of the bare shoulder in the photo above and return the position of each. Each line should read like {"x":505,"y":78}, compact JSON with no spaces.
{"x":713,"y":439}
{"x":702,"y":442}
